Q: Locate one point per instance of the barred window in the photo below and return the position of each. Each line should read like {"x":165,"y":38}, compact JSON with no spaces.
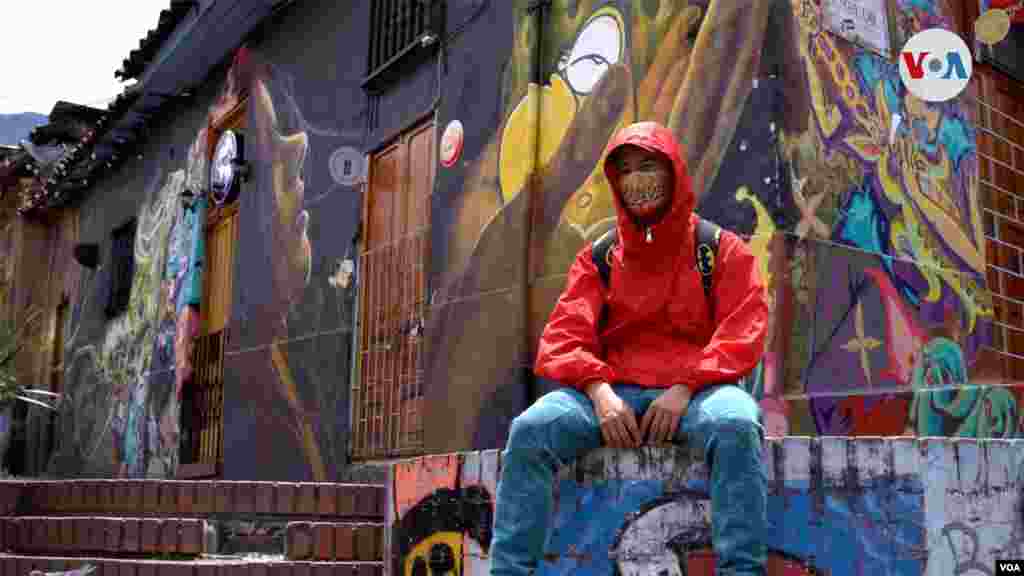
{"x":122,"y":268}
{"x":399,"y":31}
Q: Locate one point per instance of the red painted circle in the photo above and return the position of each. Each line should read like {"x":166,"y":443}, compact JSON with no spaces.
{"x":451,"y":144}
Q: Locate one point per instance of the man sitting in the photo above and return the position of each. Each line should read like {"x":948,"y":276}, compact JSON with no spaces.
{"x":642,"y":357}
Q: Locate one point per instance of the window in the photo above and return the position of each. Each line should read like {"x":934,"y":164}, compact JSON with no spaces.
{"x":387,"y":398}
{"x":122,"y":268}
{"x":399,"y":31}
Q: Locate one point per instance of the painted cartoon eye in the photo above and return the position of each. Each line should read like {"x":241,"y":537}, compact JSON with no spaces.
{"x":597,"y":48}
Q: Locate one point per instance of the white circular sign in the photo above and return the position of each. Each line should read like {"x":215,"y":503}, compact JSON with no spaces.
{"x":347,"y":166}
{"x":223,"y":171}
{"x":935,"y":65}
{"x":451,"y":143}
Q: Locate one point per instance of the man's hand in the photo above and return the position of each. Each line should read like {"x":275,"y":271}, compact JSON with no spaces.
{"x":661,"y":420}
{"x":618,"y":422}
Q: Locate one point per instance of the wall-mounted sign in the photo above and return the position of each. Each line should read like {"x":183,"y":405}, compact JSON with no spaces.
{"x":863,"y":22}
{"x":347,"y":166}
{"x":225,"y":167}
{"x":451,"y":143}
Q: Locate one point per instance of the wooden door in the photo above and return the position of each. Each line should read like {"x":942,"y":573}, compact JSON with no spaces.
{"x":388,"y":397}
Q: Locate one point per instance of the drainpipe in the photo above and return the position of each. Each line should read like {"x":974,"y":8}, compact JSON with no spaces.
{"x":535,"y":9}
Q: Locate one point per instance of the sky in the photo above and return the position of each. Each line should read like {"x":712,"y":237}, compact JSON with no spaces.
{"x":68,"y":49}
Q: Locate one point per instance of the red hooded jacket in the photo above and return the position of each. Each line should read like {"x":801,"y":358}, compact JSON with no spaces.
{"x":658,"y":332}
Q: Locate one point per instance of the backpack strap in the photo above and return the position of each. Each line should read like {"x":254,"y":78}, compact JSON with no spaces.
{"x":706,"y":246}
{"x":601,"y":254}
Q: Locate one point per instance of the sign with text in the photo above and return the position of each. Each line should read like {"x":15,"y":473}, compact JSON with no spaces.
{"x":864,"y":22}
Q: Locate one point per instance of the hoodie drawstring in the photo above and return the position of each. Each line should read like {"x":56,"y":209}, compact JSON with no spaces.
{"x":648,"y":235}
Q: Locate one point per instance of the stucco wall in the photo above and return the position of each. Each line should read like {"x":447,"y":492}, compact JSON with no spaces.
{"x":836,"y":506}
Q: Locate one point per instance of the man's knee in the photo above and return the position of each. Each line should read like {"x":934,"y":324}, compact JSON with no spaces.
{"x":548,"y":411}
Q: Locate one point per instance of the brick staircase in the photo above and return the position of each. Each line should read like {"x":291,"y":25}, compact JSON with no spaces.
{"x":191,"y":528}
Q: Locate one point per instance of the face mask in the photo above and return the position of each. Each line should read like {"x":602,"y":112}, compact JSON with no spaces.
{"x":646,"y":193}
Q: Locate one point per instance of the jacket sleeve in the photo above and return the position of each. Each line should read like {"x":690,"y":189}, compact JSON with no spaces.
{"x":741,"y":318}
{"x":569,"y":351}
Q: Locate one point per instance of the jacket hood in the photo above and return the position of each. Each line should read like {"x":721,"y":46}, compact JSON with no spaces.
{"x":673,"y":230}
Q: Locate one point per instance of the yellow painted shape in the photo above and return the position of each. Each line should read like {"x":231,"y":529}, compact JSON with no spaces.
{"x":764,"y":231}
{"x":422,"y":550}
{"x":557,"y":109}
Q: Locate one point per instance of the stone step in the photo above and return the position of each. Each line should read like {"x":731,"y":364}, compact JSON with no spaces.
{"x":120,"y":536}
{"x":15,"y":565}
{"x":186,"y":498}
{"x":334,"y":541}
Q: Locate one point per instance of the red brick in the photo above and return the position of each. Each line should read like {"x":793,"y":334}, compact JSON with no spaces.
{"x":344,"y":542}
{"x":191,"y":537}
{"x":98,"y":534}
{"x":244,"y":497}
{"x":169,"y":496}
{"x":257,"y":569}
{"x":131,"y":535}
{"x":81,"y":536}
{"x":76,"y":494}
{"x":222,"y":497}
{"x":323,"y":541}
{"x":151,"y":534}
{"x":8,"y":497}
{"x":115,"y":533}
{"x":322,"y":569}
{"x":306,"y":499}
{"x":134,"y":499}
{"x":298,"y":541}
{"x":327,"y":500}
{"x":186,"y":497}
{"x":286,"y":493}
{"x":366,"y":542}
{"x":205,"y":496}
{"x":169,"y":536}
{"x":369,"y":501}
{"x":301,"y":569}
{"x":67,"y":533}
{"x":106,"y":497}
{"x":127,"y":569}
{"x":263,"y":498}
{"x":53,"y":533}
{"x":151,"y":496}
{"x":346,"y":501}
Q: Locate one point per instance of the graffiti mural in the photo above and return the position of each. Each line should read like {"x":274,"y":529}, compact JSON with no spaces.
{"x":444,"y":511}
{"x":121,"y":386}
{"x":836,"y":506}
{"x":603,"y":65}
{"x":887,"y":260}
{"x":287,"y":365}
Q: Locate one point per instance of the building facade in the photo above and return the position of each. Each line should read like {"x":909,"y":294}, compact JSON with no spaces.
{"x":368,"y":280}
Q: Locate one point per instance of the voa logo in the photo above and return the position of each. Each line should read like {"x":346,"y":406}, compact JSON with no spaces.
{"x":935,"y":65}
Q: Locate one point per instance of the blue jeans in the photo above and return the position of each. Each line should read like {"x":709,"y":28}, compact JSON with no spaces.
{"x":723,"y":420}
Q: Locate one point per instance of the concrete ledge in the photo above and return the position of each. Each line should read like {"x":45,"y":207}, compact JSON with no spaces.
{"x":934,"y":506}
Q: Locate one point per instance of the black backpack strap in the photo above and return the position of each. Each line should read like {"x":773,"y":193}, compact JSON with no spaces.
{"x":601,"y":254}
{"x":707,"y":234}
